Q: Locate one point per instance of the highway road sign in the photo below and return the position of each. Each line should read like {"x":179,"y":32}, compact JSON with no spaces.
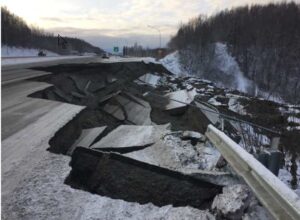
{"x":116,"y":49}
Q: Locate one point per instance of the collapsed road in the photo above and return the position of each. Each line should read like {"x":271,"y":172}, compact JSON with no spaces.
{"x":118,"y":146}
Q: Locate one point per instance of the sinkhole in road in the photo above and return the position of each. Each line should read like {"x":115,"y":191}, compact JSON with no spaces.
{"x":111,"y":98}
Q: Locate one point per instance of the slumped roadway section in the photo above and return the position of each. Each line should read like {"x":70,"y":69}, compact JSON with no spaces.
{"x":104,"y":173}
{"x":33,"y":178}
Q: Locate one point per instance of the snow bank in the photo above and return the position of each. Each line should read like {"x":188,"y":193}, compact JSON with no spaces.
{"x":7,"y":51}
{"x":171,"y":63}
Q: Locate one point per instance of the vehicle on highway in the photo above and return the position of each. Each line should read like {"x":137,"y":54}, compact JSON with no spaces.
{"x":105,"y":56}
{"x":41,"y":53}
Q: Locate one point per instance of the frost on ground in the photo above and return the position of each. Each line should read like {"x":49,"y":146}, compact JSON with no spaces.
{"x":7,"y":51}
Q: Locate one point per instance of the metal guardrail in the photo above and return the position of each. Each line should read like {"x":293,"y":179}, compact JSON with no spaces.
{"x":280,"y":200}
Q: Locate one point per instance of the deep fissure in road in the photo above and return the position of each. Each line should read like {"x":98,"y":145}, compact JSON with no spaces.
{"x":112,"y":99}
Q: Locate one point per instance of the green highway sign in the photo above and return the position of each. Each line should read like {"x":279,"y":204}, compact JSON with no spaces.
{"x":116,"y":49}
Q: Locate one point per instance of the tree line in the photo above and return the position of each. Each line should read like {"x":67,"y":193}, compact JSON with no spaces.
{"x":264,"y":39}
{"x":15,"y":32}
{"x":139,"y":51}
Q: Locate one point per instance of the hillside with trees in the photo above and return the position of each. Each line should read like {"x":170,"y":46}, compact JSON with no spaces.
{"x":16,"y":33}
{"x":139,"y":51}
{"x":264,"y":41}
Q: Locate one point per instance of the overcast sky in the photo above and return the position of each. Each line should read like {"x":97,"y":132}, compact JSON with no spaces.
{"x":108,"y":23}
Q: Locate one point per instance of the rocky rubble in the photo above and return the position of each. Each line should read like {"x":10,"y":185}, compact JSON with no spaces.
{"x":234,"y":201}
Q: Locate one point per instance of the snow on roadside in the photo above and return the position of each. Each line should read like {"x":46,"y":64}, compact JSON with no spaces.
{"x":42,"y":194}
{"x":171,"y":63}
{"x":285,"y":176}
{"x":118,"y":59}
{"x":7,"y":51}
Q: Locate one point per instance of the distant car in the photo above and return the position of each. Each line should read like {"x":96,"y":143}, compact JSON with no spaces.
{"x":41,"y":54}
{"x":105,"y":56}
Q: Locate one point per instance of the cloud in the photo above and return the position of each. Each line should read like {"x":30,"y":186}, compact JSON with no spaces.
{"x":117,"y":18}
{"x":55,"y":19}
{"x":98,"y":37}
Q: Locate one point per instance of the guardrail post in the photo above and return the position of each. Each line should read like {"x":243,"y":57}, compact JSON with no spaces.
{"x":275,"y":143}
{"x":222,"y":124}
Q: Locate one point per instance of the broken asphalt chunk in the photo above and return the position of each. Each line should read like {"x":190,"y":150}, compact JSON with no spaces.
{"x":120,"y":177}
{"x":179,"y":100}
{"x":130,"y":108}
{"x":126,"y":138}
{"x":86,"y":138}
{"x":210,"y":112}
{"x":149,"y":79}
